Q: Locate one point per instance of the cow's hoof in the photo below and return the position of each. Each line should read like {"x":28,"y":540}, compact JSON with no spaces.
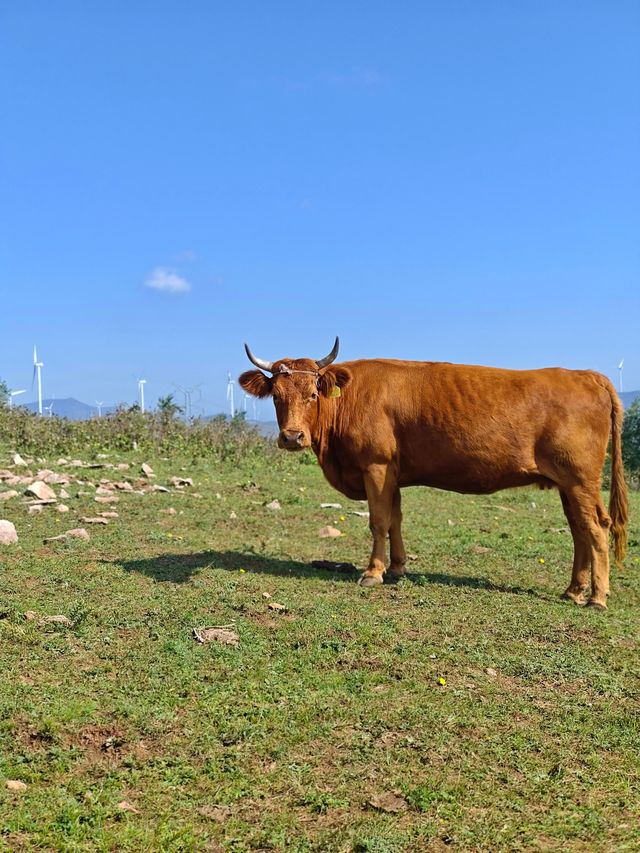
{"x":596,"y":605}
{"x":370,"y":580}
{"x":576,"y":597}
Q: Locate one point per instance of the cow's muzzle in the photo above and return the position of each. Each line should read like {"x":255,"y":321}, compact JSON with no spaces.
{"x":291,"y":439}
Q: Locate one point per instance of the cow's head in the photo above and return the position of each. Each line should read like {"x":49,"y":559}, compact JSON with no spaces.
{"x":299,"y":387}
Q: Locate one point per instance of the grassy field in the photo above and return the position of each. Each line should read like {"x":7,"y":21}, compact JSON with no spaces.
{"x":466,"y":708}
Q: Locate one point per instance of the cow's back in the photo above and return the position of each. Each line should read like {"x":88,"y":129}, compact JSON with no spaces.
{"x":468,"y":428}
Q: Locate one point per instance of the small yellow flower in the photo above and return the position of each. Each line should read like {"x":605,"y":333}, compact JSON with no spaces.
{"x":442,"y":681}
{"x":342,"y":517}
{"x":243,"y":571}
{"x":541,"y":561}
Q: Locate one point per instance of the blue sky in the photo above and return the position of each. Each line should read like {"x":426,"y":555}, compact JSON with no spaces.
{"x":435,"y":181}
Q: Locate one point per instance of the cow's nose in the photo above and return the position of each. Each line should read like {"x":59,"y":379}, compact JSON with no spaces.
{"x":291,"y":437}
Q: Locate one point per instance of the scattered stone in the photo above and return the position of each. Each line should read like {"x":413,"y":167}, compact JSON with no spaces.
{"x":157,"y":488}
{"x":109,"y":514}
{"x":451,"y":523}
{"x":123,"y":466}
{"x":266,"y":595}
{"x":491,"y":671}
{"x":56,"y":620}
{"x":359,"y":513}
{"x":62,"y":508}
{"x":62,"y":462}
{"x":41,"y":491}
{"x":169,"y":511}
{"x":125,"y":806}
{"x":30,"y":615}
{"x":34,"y":508}
{"x":232,"y":516}
{"x":480,"y":549}
{"x":412,"y":557}
{"x":15,"y":785}
{"x":77,"y":463}
{"x":124,"y":486}
{"x":224,"y":634}
{"x":112,"y":499}
{"x":8,"y":535}
{"x":52,"y":478}
{"x":64,"y":494}
{"x":18,"y":461}
{"x":147,"y":470}
{"x":6,"y":496}
{"x":274,"y":505}
{"x":329,"y":532}
{"x":180,"y":482}
{"x":330,"y":506}
{"x":98,"y":520}
{"x":101,"y":490}
{"x":78,"y":533}
{"x":388,"y":802}
{"x":278,"y":608}
{"x":61,"y":538}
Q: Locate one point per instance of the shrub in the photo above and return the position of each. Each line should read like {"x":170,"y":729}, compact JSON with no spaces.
{"x":128,"y":429}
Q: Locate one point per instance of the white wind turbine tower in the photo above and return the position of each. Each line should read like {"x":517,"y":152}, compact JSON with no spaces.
{"x":13,"y":394}
{"x":620,"y":366}
{"x":49,"y":408}
{"x":141,"y":384}
{"x":99,"y":406}
{"x":230,"y":384}
{"x":37,"y":369}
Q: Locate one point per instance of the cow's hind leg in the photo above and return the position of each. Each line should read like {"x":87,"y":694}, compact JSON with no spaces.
{"x":398,"y":554}
{"x":581,"y":557}
{"x":380,"y":487}
{"x":592,"y":520}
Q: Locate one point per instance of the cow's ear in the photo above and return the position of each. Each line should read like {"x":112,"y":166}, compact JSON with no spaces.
{"x":255,"y":383}
{"x":332,"y":380}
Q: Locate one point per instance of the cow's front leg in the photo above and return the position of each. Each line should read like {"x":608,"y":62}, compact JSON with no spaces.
{"x":398,"y":554}
{"x":380,"y":487}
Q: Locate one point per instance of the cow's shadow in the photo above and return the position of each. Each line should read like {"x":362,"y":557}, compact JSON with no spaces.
{"x":179,"y":568}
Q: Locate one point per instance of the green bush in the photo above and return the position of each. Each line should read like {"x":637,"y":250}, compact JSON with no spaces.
{"x":631,"y":438}
{"x":127,"y":429}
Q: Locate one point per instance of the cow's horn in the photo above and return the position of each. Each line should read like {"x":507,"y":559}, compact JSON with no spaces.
{"x":263,"y":365}
{"x":323,"y":362}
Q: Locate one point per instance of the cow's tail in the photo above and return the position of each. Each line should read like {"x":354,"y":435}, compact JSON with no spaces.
{"x":618,"y":501}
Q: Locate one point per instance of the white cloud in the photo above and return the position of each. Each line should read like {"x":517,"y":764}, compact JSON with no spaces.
{"x":168,"y":280}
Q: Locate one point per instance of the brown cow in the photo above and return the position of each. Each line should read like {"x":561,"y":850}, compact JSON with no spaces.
{"x":379,"y":425}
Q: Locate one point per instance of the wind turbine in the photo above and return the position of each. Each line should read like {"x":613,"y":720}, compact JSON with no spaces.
{"x":37,"y":368}
{"x":13,"y":394}
{"x":99,"y":405}
{"x":620,"y":366}
{"x":230,"y":384}
{"x":187,"y":392}
{"x":49,"y":408}
{"x":141,"y":384}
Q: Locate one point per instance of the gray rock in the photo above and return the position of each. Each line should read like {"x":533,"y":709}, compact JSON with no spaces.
{"x":41,"y":491}
{"x":8,"y":535}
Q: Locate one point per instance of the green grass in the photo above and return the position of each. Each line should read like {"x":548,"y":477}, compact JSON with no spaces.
{"x":280,"y":743}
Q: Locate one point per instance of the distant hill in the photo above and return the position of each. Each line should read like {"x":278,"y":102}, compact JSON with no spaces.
{"x":70,"y":408}
{"x":628,"y":397}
